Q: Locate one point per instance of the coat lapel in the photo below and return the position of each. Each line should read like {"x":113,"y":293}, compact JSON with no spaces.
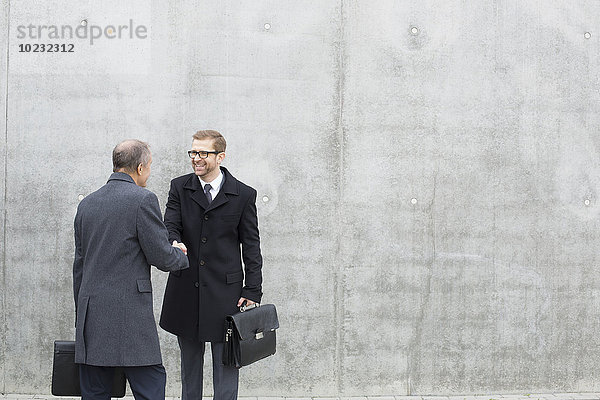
{"x":197,"y":195}
{"x":229,"y":187}
{"x":218,"y":201}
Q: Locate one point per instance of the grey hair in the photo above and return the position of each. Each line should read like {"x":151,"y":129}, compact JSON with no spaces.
{"x":128,"y":154}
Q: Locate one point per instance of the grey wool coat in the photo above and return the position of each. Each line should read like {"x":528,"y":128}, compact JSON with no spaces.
{"x":119,"y":233}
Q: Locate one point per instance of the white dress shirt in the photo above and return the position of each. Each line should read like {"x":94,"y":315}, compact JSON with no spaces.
{"x":215,"y":185}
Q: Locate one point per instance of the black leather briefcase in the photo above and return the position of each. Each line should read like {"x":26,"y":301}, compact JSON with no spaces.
{"x":250,"y":335}
{"x":65,"y":373}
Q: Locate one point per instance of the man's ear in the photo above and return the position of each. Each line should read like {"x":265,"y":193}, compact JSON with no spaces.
{"x":139,"y":169}
{"x":220,"y":157}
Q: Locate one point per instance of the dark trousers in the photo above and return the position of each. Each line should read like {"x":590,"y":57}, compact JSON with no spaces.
{"x":225,"y":379}
{"x":147,"y":382}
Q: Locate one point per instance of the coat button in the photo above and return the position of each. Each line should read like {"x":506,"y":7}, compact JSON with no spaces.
{"x":197,"y":284}
{"x":203,"y":240}
{"x":202,"y":262}
{"x":206,"y":217}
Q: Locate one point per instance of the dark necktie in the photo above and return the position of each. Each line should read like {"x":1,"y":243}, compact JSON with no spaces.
{"x":207,"y":189}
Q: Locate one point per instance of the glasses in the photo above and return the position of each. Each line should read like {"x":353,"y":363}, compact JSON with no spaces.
{"x":201,"y":154}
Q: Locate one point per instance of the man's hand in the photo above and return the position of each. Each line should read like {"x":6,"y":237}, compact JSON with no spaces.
{"x":180,"y":246}
{"x":243,"y":299}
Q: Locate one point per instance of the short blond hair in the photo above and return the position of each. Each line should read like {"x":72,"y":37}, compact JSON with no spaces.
{"x":218,"y":139}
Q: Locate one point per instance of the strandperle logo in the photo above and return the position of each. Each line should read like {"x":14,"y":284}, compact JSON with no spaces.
{"x":82,"y":31}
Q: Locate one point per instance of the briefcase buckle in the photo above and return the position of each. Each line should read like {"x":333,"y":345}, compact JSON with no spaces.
{"x":249,"y":307}
{"x":259,"y":335}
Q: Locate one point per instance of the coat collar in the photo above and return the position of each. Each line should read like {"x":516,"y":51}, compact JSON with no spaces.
{"x":120,"y":176}
{"x":229,"y":187}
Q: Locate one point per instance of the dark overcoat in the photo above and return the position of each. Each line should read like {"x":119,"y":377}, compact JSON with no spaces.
{"x":198,"y":299}
{"x":118,"y":233}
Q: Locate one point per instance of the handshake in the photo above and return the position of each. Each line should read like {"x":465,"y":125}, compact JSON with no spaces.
{"x":180,"y":246}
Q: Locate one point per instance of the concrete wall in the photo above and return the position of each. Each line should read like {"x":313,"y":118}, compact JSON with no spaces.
{"x":428,"y":179}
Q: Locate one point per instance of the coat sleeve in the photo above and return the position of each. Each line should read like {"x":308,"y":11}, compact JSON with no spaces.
{"x":77,"y":261}
{"x":173,"y":215}
{"x":250,"y":240}
{"x":153,"y":237}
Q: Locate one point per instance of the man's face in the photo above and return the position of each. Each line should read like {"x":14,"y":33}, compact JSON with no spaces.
{"x":206,"y":168}
{"x":143,"y":177}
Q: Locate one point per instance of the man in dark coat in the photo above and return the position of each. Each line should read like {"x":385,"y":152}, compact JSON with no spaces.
{"x":212,"y":213}
{"x":118,"y":233}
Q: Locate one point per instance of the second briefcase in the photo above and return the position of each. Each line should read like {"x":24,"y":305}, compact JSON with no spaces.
{"x":65,"y":373}
{"x":250,"y":335}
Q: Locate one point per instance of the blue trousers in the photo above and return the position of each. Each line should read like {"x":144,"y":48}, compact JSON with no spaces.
{"x":146,"y":383}
{"x":225,"y":379}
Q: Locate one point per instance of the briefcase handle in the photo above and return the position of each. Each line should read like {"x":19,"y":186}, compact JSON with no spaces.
{"x":250,"y":307}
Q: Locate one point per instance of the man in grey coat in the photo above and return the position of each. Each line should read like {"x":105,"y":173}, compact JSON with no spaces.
{"x":119,"y":233}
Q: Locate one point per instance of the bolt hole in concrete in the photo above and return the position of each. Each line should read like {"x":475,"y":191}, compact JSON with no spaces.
{"x":80,"y":197}
{"x":83,"y":22}
{"x":587,"y":202}
{"x":414,"y":30}
{"x":265,"y":199}
{"x":587,"y":35}
{"x":267,"y":26}
{"x":413,"y":201}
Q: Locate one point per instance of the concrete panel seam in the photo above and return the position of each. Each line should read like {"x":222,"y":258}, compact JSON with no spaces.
{"x":412,"y":357}
{"x":339,"y":279}
{"x":3,"y":284}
